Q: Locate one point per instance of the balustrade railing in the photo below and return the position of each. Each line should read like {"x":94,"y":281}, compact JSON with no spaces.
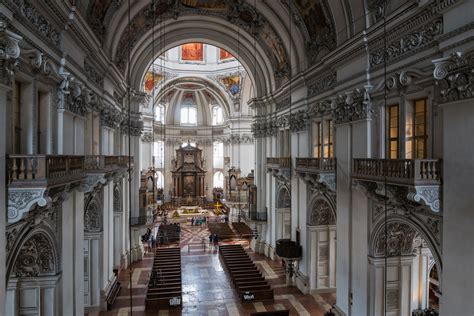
{"x":317,"y":164}
{"x":279,"y":162}
{"x":404,"y":171}
{"x":27,"y":168}
{"x":44,"y":167}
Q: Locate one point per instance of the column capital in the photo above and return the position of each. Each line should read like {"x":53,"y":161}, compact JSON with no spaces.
{"x":9,"y":52}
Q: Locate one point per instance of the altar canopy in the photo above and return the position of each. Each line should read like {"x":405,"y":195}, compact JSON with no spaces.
{"x":188,"y":174}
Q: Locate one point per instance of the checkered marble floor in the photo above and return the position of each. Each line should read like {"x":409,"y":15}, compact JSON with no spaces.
{"x":207,"y":289}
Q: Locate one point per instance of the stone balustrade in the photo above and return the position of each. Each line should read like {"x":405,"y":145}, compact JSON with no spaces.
{"x":26,"y":170}
{"x":398,"y":171}
{"x":316,"y":164}
{"x":279,"y":162}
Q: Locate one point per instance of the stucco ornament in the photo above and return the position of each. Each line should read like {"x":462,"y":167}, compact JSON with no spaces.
{"x":35,"y":258}
{"x":9,"y":53}
{"x":21,"y":201}
{"x":400,"y":240}
{"x":322,"y":214}
{"x":428,"y":195}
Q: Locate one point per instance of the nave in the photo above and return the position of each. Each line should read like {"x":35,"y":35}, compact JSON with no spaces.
{"x":207,"y":288}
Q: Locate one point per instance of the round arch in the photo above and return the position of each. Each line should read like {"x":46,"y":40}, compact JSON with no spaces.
{"x":92,"y":214}
{"x":283,"y":197}
{"x":321,"y":211}
{"x":378,"y":232}
{"x":43,"y":259}
{"x":213,"y":31}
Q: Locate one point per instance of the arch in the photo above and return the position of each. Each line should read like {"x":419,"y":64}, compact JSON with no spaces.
{"x":410,"y":228}
{"x":321,"y":212}
{"x":217,"y":114}
{"x":117,"y":197}
{"x":283,"y":197}
{"x":35,"y":253}
{"x":93,"y":214}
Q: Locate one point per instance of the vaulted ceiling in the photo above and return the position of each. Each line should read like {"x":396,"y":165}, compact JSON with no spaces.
{"x":258,"y":32}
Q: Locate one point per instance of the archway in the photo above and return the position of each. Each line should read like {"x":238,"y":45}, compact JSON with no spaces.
{"x":33,"y":283}
{"x":322,"y":244}
{"x":403,"y":251}
{"x":283,"y":213}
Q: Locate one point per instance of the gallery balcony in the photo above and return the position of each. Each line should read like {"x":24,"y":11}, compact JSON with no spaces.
{"x":280,"y":168}
{"x":25,"y":171}
{"x":34,"y":180}
{"x":317,"y":172}
{"x":100,"y":163}
{"x":422,"y":177}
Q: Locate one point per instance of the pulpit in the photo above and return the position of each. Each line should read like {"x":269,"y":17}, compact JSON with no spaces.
{"x":188,"y":173}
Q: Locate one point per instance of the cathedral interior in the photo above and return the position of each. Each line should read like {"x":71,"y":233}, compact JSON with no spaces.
{"x":237,"y":157}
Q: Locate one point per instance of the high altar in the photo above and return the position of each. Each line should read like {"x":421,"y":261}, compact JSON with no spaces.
{"x":188,"y":173}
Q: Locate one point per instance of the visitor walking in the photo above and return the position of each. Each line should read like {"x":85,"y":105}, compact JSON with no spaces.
{"x":153,"y":241}
{"x":211,"y":239}
{"x":192,"y":221}
{"x":216,"y":240}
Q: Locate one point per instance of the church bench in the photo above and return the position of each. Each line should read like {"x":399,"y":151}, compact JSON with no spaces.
{"x":113,"y":293}
{"x":244,"y":282}
{"x":171,"y":284}
{"x":166,"y":289}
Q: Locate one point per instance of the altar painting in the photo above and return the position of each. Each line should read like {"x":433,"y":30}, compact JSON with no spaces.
{"x":192,"y":52}
{"x":188,"y":185}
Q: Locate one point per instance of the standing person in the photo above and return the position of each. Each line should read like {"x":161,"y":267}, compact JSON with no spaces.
{"x":153,"y":241}
{"x":149,"y":243}
{"x":200,"y":220}
{"x":192,"y":221}
{"x":216,"y":240}
{"x":211,"y":239}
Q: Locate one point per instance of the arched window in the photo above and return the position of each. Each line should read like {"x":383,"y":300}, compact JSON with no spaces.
{"x":160,"y":180}
{"x":192,"y":144}
{"x":188,"y":115}
{"x":217,"y":115}
{"x":218,"y":179}
{"x":160,"y":113}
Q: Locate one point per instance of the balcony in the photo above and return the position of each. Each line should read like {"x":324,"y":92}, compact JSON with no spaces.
{"x":44,"y":170}
{"x":317,"y":172}
{"x":106,"y":163}
{"x":36,"y":180}
{"x":280,"y":168}
{"x":422,"y":177}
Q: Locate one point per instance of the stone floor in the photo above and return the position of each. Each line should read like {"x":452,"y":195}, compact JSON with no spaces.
{"x":207,"y":289}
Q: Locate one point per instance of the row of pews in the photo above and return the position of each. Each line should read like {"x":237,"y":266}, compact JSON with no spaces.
{"x":247,"y":279}
{"x":222,"y":230}
{"x":164,"y":288}
{"x":168,"y":233}
{"x":243,"y":230}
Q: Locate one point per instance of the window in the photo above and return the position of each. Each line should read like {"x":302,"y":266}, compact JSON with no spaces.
{"x":416,"y":137}
{"x":188,"y":115}
{"x":217,"y":115}
{"x":160,"y":113}
{"x":392,"y":131}
{"x":160,"y":181}
{"x":328,"y":128}
{"x":159,"y":154}
{"x":218,"y":155}
{"x":17,"y":118}
{"x":318,"y":139}
{"x":218,"y":179}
